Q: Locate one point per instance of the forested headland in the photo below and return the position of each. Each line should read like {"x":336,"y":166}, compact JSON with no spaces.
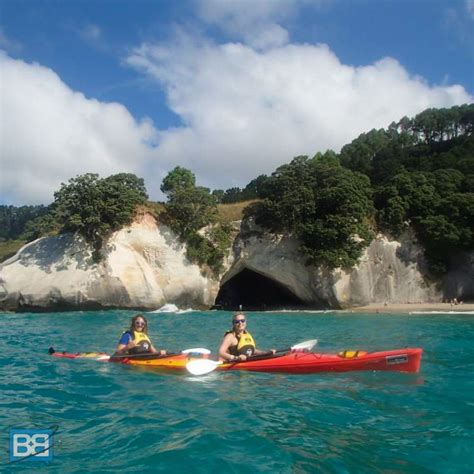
{"x":418,"y":174}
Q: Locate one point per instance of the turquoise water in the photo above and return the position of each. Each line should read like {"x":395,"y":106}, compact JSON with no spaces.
{"x":116,"y":418}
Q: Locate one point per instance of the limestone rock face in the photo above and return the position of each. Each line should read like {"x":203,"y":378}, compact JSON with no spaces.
{"x":389,"y":271}
{"x":145,"y":266}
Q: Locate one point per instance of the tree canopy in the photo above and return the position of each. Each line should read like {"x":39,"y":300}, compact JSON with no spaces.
{"x":422,"y":175}
{"x":94,"y":207}
{"x":178,"y":178}
{"x":191,"y":208}
{"x":323,"y":204}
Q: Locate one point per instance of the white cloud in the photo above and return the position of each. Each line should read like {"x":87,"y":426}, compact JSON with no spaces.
{"x":245,"y":112}
{"x":49,"y":133}
{"x":253,"y":22}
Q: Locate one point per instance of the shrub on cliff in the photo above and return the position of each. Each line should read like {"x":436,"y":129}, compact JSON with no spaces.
{"x":94,"y":207}
{"x":189,"y":209}
{"x":324,"y":205}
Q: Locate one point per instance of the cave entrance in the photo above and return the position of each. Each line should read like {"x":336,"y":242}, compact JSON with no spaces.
{"x":250,"y":291}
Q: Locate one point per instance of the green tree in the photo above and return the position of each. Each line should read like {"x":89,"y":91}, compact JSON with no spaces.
{"x":191,"y":208}
{"x":257,"y":188}
{"x":13,"y":220}
{"x":358,"y":155}
{"x":178,"y":178}
{"x":95,"y":207}
{"x":323,"y":204}
{"x":218,"y":194}
{"x":232,"y":195}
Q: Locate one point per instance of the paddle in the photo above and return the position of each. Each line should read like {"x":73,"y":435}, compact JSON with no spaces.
{"x":195,"y":350}
{"x":205,"y":366}
{"x":105,"y":357}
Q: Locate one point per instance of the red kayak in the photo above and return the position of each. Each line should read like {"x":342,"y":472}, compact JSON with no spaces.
{"x":294,"y":362}
{"x":306,"y":362}
{"x":399,"y":360}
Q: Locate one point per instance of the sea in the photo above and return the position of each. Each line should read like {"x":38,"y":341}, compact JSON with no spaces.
{"x":109,"y":418}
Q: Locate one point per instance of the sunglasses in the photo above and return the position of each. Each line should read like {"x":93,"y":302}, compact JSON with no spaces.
{"x":139,"y":323}
{"x":237,"y":321}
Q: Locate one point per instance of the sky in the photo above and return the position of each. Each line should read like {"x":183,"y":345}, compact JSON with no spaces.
{"x":227,"y":89}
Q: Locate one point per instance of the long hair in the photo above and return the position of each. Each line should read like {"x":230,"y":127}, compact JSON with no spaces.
{"x":132,"y":324}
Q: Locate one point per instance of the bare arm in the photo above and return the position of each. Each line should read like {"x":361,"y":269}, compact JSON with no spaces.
{"x":224,"y":353}
{"x":122,"y":348}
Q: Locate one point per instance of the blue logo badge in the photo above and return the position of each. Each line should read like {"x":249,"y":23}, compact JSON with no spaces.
{"x":31,"y":445}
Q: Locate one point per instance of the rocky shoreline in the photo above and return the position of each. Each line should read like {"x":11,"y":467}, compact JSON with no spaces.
{"x":444,"y":308}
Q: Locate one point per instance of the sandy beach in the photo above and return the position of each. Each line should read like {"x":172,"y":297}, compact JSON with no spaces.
{"x":467,"y":308}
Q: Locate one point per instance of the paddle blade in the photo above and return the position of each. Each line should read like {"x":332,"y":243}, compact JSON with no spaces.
{"x":304,"y":346}
{"x":202,"y":366}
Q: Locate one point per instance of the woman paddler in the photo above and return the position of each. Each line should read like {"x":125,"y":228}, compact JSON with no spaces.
{"x":238,"y":343}
{"x":136,"y":340}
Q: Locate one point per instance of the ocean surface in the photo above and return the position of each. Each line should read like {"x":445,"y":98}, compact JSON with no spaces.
{"x":115,"y":418}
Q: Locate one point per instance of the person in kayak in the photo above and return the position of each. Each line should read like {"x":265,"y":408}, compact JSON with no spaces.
{"x":136,"y":340}
{"x":238,"y":343}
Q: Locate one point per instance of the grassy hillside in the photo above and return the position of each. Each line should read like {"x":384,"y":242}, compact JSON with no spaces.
{"x":232,"y":212}
{"x":9,"y":248}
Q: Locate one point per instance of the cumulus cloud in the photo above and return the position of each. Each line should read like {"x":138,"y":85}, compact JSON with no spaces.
{"x":50,"y":133}
{"x":246,"y":111}
{"x":256,"y":23}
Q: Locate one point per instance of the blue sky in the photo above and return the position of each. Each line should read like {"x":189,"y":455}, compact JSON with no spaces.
{"x":227,"y":89}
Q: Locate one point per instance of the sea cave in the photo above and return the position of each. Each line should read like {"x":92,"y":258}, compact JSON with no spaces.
{"x":251,"y":291}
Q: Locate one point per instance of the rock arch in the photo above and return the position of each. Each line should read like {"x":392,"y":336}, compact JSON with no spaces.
{"x":254,"y":291}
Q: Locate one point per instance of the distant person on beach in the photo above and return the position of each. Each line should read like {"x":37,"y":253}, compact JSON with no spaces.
{"x":238,"y":343}
{"x":135,"y":340}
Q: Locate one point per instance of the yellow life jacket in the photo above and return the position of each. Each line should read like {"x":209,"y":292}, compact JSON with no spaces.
{"x":142,"y":341}
{"x":245,"y":344}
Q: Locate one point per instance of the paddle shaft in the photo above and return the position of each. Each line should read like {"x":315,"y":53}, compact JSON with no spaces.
{"x":144,"y":356}
{"x":147,"y":355}
{"x":267,"y":355}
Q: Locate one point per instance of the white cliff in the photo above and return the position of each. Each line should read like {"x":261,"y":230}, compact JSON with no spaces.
{"x":145,"y":266}
{"x":389,"y":271}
